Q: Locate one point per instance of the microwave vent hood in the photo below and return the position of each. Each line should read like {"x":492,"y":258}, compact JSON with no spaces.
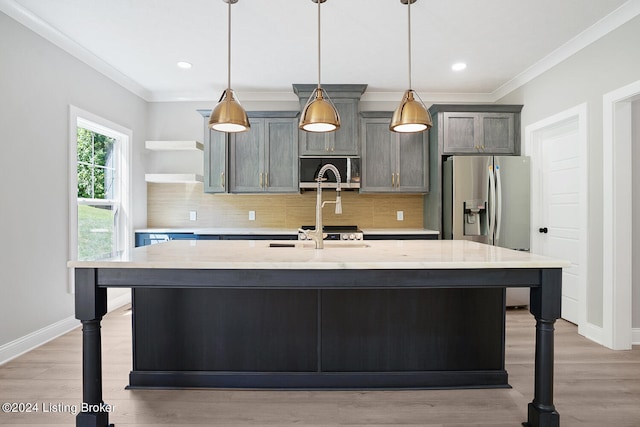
{"x":348,"y":166}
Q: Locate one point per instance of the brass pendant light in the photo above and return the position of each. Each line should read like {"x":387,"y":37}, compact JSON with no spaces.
{"x":411,"y":115}
{"x":319,"y":114}
{"x":228,"y":115}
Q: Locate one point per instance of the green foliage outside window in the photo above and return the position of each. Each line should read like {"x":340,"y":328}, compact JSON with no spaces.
{"x":96,"y":175}
{"x":96,"y":171}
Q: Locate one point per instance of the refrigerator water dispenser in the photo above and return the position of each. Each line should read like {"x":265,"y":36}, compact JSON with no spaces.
{"x":475,"y":215}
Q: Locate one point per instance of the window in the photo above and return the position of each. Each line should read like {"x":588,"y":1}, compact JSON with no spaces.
{"x":99,"y":174}
{"x":97,"y":193}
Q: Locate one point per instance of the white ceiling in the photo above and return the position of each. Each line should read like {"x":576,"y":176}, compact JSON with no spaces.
{"x":274,"y":42}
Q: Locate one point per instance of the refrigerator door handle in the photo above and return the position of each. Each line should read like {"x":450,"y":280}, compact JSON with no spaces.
{"x":498,"y":214}
{"x":492,"y":205}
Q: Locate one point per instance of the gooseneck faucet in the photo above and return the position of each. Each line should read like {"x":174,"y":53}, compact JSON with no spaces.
{"x":317,"y":235}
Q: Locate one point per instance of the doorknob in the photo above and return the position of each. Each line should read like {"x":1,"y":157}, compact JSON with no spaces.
{"x":543,"y":230}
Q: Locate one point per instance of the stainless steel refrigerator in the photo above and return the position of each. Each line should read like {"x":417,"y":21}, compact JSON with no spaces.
{"x":486,"y":199}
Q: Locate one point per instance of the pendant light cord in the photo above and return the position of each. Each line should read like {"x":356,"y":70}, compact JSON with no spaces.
{"x":409,"y":32}
{"x":319,"y":1}
{"x":229,"y":45}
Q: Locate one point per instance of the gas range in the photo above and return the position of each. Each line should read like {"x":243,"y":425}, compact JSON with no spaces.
{"x":335,"y":232}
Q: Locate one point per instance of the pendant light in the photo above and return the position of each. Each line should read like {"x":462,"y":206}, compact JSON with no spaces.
{"x":319,"y":114}
{"x":228,"y":115}
{"x":411,"y":115}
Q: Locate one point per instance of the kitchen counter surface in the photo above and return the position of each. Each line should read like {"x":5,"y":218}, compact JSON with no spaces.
{"x":273,"y":231}
{"x":426,"y":314}
{"x":370,"y":254}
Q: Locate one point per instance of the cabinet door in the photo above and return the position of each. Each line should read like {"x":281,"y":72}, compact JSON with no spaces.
{"x":345,"y":139}
{"x":497,"y":133}
{"x":215,"y":162}
{"x":315,"y":143}
{"x":412,"y":163}
{"x":378,"y":156}
{"x":281,"y":157}
{"x":342,"y":142}
{"x":246,"y":157}
{"x":460,"y":131}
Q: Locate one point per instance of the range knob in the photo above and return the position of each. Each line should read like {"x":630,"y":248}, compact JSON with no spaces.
{"x":302,"y":236}
{"x":345,"y":237}
{"x":352,"y":236}
{"x":358,"y":236}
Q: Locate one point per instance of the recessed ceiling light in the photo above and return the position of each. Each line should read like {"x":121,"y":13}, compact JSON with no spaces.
{"x":458,"y":66}
{"x":184,"y":65}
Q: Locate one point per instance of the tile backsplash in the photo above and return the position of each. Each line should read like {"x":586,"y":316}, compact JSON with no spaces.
{"x":168,"y":206}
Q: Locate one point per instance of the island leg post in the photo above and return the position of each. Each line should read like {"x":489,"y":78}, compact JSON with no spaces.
{"x":90,"y":306}
{"x":545,"y":306}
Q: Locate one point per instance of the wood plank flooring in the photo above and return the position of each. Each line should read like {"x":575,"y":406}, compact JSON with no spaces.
{"x":594,"y":386}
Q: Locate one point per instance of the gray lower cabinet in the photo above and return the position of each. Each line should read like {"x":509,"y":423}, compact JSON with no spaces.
{"x":265,"y":158}
{"x":392,"y":162}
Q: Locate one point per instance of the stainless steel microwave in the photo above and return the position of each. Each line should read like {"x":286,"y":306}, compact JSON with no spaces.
{"x":348,"y":166}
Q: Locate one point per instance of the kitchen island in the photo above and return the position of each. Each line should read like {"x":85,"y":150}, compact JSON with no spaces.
{"x":374,"y":314}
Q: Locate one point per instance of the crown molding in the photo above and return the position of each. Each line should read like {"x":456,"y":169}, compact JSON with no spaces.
{"x":64,"y":42}
{"x":615,"y":19}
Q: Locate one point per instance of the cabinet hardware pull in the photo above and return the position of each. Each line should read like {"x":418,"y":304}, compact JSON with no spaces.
{"x":393,"y":179}
{"x":222,"y":179}
{"x":266,"y":179}
{"x":260,"y":179}
{"x":397,"y":180}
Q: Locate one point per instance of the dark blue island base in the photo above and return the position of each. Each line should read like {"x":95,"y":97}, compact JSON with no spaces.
{"x":319,"y":328}
{"x":326,"y":338}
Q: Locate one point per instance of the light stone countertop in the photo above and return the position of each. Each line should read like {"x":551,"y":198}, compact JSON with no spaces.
{"x":370,"y":254}
{"x":284,"y":231}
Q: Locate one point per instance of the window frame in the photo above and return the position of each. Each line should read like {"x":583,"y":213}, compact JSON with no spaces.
{"x":124,"y":137}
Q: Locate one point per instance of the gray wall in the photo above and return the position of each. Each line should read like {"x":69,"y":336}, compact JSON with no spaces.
{"x":635,"y":147}
{"x":606,"y":65}
{"x":38,"y":81}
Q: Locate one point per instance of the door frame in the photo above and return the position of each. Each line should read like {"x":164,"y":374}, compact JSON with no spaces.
{"x":617,"y":216}
{"x":534,"y":135}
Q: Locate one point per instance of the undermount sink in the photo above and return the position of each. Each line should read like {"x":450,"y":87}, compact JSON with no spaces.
{"x":327,"y":245}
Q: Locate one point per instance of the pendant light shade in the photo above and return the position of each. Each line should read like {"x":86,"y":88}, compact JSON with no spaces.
{"x":411,"y":115}
{"x":319,"y":114}
{"x":228,"y":115}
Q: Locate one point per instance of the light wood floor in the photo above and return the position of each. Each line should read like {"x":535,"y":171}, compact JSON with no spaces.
{"x":593,"y":387}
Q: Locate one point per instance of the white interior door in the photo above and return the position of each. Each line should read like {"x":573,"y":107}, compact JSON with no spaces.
{"x":559,"y":204}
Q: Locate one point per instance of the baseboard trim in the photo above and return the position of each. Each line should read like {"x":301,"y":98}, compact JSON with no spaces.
{"x":635,"y":336}
{"x":592,"y":332}
{"x":22,"y":345}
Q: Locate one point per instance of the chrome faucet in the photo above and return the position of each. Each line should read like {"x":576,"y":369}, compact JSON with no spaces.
{"x":317,"y":235}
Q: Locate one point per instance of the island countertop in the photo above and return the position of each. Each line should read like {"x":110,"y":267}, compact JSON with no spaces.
{"x":294,"y":255}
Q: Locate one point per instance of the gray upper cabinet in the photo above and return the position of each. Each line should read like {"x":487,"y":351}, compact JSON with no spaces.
{"x":478,"y":129}
{"x":392,"y":162}
{"x":215,"y":158}
{"x":265,"y":158}
{"x":478,"y":133}
{"x":344,"y":141}
{"x":215,"y":162}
